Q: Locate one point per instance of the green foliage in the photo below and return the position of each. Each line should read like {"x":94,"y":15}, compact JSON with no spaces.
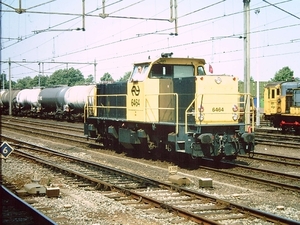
{"x":68,"y":77}
{"x":106,"y":77}
{"x":23,"y":83}
{"x":90,"y":79}
{"x":4,"y":82}
{"x":126,"y":76}
{"x":285,"y":74}
{"x":39,"y":81}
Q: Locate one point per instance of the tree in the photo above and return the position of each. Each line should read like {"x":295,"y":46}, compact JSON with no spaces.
{"x":4,"y":83}
{"x":285,"y":74}
{"x":126,"y":76}
{"x":39,"y":80}
{"x":106,"y":77}
{"x":68,"y":77}
{"x":89,"y":79}
{"x":23,"y":83}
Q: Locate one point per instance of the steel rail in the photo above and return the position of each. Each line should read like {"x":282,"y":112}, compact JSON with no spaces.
{"x":192,"y":216}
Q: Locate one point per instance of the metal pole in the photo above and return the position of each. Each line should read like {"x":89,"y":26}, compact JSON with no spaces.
{"x":10,"y":94}
{"x":39,"y":74}
{"x":176,"y":21}
{"x":83,"y":15}
{"x":3,"y":80}
{"x":43,"y":68}
{"x":257,"y":81}
{"x":171,"y":11}
{"x":247,"y":58}
{"x":95,"y":64}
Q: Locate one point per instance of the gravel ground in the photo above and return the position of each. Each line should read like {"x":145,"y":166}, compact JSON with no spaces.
{"x":87,"y":206}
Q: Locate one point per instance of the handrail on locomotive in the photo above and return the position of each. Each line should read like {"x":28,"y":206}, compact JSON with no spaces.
{"x":90,"y":110}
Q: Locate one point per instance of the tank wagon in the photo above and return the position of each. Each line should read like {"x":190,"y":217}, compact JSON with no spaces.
{"x":1,"y":103}
{"x":51,"y":101}
{"x":75,"y":99}
{"x":282,"y":105}
{"x":27,"y":102}
{"x":169,"y":105}
{"x":61,"y":103}
{"x":5,"y":101}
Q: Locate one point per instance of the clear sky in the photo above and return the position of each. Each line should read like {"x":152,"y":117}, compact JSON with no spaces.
{"x":210,"y":29}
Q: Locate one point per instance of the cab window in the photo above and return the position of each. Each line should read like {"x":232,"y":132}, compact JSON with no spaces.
{"x":183,"y":71}
{"x":200,"y":70}
{"x":171,"y":71}
{"x":272,"y":93}
{"x":139,"y":72}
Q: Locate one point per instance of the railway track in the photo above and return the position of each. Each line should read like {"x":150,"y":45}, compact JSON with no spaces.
{"x":52,"y":131}
{"x":142,"y":192}
{"x":259,"y":175}
{"x":14,"y":210}
{"x":272,"y":137}
{"x":276,"y":159}
{"x":266,"y":176}
{"x":63,"y":138}
{"x":263,"y":136}
{"x":42,"y":125}
{"x":75,"y":127}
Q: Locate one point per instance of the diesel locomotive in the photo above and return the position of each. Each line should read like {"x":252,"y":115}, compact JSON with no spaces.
{"x":170,"y":105}
{"x":282,"y":105}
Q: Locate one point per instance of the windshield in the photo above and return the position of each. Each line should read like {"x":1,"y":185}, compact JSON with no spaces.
{"x":139,"y":72}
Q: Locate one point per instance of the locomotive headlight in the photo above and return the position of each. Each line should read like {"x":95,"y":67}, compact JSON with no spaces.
{"x":235,"y":117}
{"x":201,"y":117}
{"x":201,"y":108}
{"x":278,"y":110}
{"x":234,"y":108}
{"x":218,"y":80}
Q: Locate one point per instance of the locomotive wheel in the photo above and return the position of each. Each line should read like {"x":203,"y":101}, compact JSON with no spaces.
{"x":119,"y":148}
{"x":231,"y":157}
{"x":71,"y":119}
{"x":217,"y":158}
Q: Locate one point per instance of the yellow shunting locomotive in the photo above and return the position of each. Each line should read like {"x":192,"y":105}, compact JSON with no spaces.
{"x":282,"y":105}
{"x":169,"y":105}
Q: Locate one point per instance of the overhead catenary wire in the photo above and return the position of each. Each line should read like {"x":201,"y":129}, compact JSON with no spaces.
{"x":137,"y":52}
{"x":156,"y":32}
{"x":282,"y":10}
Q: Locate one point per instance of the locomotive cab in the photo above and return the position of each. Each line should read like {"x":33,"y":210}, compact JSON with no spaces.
{"x":273,"y":100}
{"x":282,"y":103}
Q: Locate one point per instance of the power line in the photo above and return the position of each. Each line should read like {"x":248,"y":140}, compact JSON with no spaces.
{"x":35,"y":32}
{"x":156,"y":32}
{"x":282,"y":10}
{"x":189,"y":43}
{"x":180,"y":45}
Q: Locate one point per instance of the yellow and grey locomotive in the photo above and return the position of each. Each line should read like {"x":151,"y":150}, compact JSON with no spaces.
{"x":171,"y":105}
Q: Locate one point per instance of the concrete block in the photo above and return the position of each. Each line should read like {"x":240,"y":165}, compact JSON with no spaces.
{"x":172,"y":170}
{"x":35,"y":188}
{"x":205,"y":182}
{"x":179,"y":180}
{"x":52,"y":192}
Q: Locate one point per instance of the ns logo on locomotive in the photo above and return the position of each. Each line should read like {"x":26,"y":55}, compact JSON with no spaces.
{"x":171,"y":105}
